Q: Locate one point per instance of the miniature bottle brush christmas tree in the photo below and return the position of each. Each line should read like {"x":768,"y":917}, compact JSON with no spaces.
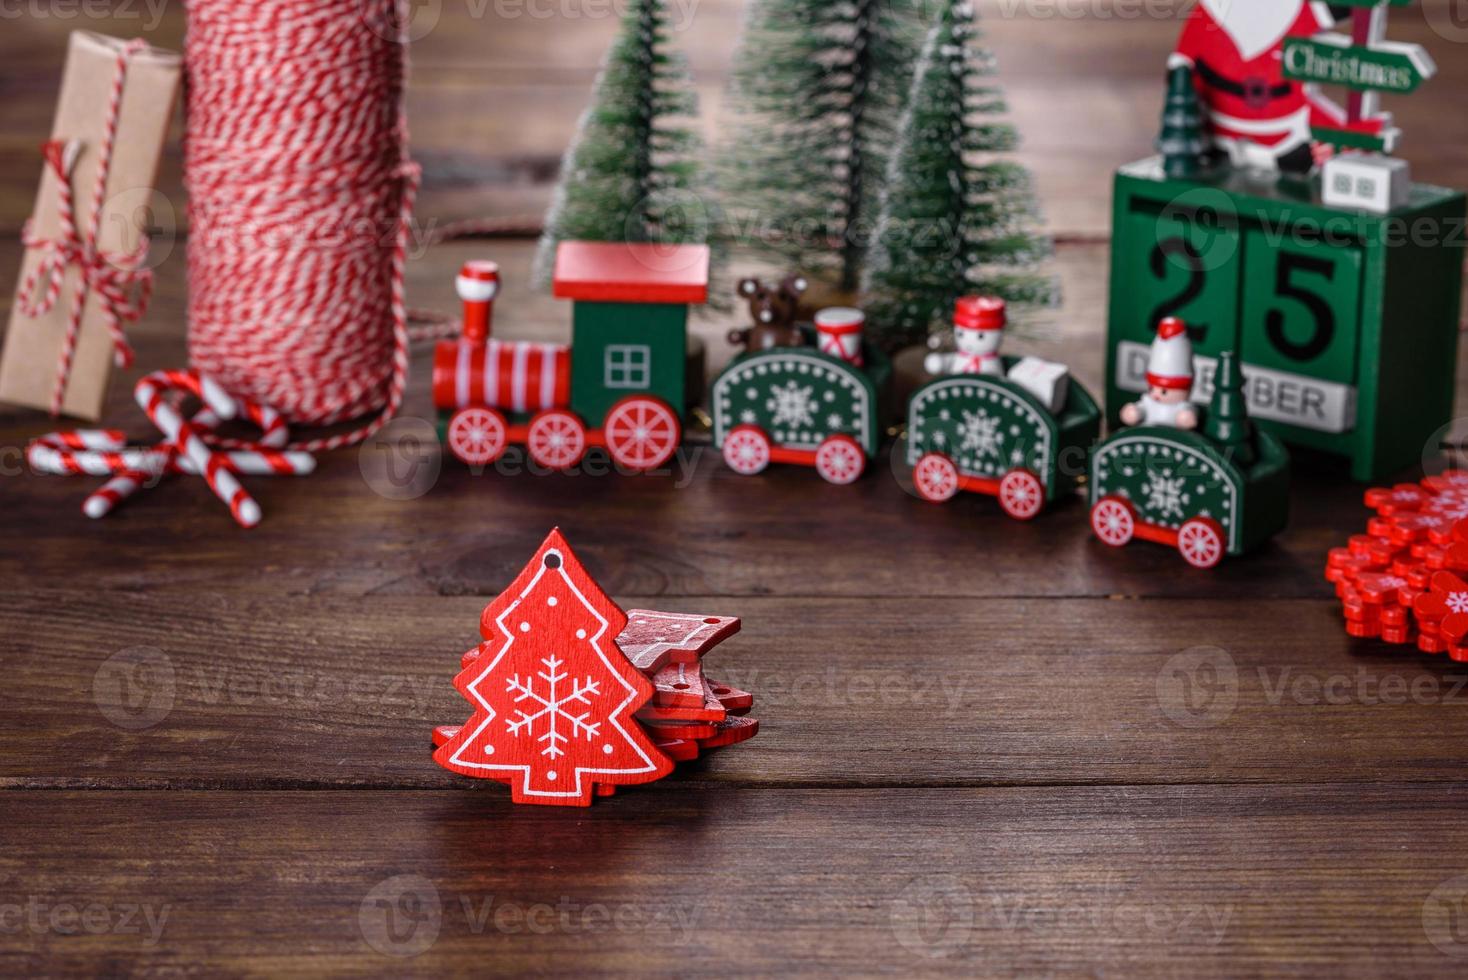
{"x":632,"y":172}
{"x":957,"y":216}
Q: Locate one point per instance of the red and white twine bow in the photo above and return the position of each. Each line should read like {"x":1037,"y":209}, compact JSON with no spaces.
{"x":186,"y":447}
{"x":119,"y":279}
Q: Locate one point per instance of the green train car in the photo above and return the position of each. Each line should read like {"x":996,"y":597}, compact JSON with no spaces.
{"x":986,"y":434}
{"x":803,"y":406}
{"x":1220,"y":491}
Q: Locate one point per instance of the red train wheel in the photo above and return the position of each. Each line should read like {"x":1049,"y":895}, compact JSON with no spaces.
{"x":477,"y":435}
{"x":642,"y":432}
{"x":747,"y":450}
{"x":1113,"y":522}
{"x":1021,"y":494}
{"x":1200,"y":542}
{"x":840,"y":460}
{"x":935,"y":478}
{"x":556,"y":439}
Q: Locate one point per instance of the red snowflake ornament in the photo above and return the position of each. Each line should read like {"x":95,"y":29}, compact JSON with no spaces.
{"x":1445,"y":606}
{"x":553,"y":695}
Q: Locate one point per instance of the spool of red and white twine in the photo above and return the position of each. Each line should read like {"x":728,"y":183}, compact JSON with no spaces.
{"x":301,"y":194}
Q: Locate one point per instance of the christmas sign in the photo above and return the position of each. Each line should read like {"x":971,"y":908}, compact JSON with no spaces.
{"x":565,"y":711}
{"x":1365,"y":64}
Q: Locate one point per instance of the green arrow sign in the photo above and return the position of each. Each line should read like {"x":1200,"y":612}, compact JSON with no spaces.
{"x":1385,"y":67}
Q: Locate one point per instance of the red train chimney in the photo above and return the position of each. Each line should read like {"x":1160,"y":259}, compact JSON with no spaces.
{"x":478,"y":284}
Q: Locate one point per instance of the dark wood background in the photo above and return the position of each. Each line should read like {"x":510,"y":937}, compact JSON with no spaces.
{"x":986,"y":748}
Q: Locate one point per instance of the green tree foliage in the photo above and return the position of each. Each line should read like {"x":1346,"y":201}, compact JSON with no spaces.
{"x":1181,"y":141}
{"x":1228,"y":422}
{"x":818,"y":91}
{"x":632,"y":172}
{"x":958,"y":216}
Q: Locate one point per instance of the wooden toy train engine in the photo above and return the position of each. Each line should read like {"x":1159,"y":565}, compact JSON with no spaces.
{"x":625,"y":368}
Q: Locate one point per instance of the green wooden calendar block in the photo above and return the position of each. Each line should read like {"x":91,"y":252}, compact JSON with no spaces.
{"x":1307,"y":317}
{"x":1346,"y":322}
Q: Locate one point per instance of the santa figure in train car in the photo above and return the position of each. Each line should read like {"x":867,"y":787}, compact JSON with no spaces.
{"x":978,"y":331}
{"x":1261,"y":119}
{"x":1169,"y":381}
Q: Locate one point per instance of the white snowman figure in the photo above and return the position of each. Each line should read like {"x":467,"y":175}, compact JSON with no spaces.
{"x":1169,"y":381}
{"x":978,"y":331}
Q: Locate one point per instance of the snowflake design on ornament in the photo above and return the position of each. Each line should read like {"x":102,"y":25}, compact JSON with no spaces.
{"x":792,"y":405}
{"x":1458,"y":602}
{"x":980,"y":434}
{"x":552,"y":707}
{"x":1165,"y":494}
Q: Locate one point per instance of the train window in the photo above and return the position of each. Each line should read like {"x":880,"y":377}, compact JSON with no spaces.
{"x":628,"y":366}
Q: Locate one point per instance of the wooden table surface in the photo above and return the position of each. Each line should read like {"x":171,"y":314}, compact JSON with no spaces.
{"x":986,"y":748}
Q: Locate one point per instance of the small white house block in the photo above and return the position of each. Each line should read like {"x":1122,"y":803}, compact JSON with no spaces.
{"x":1372,"y":183}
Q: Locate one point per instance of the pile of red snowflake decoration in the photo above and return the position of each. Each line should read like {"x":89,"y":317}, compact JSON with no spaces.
{"x":1402,"y":581}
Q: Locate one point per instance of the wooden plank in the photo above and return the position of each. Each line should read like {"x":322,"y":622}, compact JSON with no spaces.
{"x":119,"y":690}
{"x":1324,"y":880}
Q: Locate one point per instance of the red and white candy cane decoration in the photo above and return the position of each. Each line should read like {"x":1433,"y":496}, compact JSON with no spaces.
{"x":301,"y":193}
{"x":149,"y":394}
{"x":839,"y":331}
{"x":184,"y":450}
{"x":121,"y":282}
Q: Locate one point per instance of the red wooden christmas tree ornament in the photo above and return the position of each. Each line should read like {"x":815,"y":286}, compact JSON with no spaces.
{"x":553,"y":695}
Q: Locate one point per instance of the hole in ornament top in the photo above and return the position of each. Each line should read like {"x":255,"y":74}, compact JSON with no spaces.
{"x":553,"y":559}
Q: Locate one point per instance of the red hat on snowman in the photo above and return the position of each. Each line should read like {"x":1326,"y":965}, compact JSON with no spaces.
{"x":1171,"y":362}
{"x":979,"y":313}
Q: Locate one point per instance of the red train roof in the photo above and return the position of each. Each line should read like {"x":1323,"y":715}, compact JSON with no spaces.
{"x":624,"y":272}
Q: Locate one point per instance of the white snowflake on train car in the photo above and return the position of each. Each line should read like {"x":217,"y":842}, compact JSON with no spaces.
{"x":1166,"y":495}
{"x":980,"y":434}
{"x":792,"y":405}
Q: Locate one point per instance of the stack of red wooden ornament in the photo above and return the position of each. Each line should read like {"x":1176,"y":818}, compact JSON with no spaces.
{"x":1402,"y":580}
{"x":573,"y":697}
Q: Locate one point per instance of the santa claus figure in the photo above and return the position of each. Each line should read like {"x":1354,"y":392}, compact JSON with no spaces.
{"x":1236,"y":51}
{"x":978,"y":330}
{"x":1169,"y":381}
